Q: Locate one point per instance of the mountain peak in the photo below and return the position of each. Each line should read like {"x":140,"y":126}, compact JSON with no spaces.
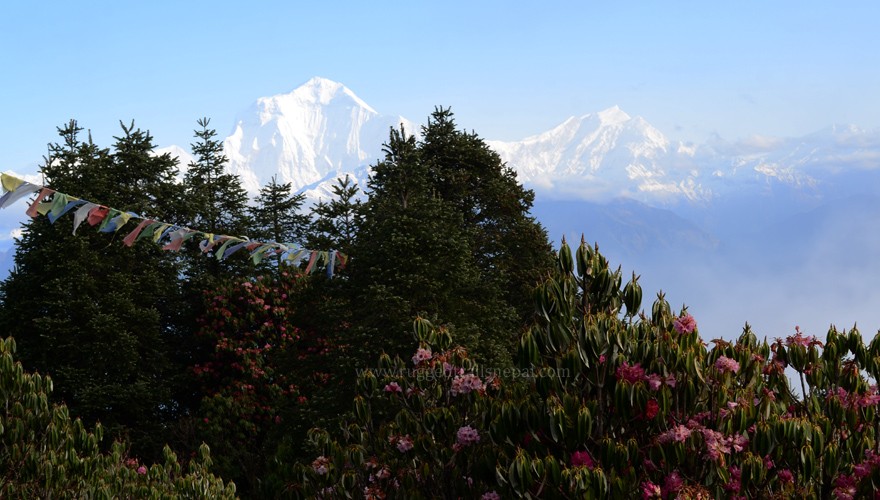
{"x":318,"y":129}
{"x":613,"y":116}
{"x":323,"y":91}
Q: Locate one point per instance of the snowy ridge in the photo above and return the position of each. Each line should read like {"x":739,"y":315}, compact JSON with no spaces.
{"x":321,"y":131}
{"x":320,"y":128}
{"x":606,"y":154}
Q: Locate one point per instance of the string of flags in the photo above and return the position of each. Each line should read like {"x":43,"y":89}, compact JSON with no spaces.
{"x":53,"y":204}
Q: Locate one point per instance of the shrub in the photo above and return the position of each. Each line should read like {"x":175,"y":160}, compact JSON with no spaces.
{"x":619,"y":403}
{"x":44,"y":454}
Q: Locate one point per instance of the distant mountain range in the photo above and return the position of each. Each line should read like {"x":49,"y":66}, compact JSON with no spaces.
{"x":322,"y":131}
{"x":702,"y":216}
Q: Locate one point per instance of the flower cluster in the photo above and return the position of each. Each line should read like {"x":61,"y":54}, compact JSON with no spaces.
{"x":403,"y":443}
{"x":393,"y":387}
{"x":467,"y":436}
{"x":845,"y":487}
{"x":650,"y":490}
{"x":717,"y":444}
{"x":321,"y":465}
{"x":631,"y":374}
{"x":677,"y":434}
{"x":685,"y":324}
{"x":464,"y":384}
{"x":421,"y":355}
{"x":655,"y":381}
{"x":672,"y":485}
{"x":799,"y":339}
{"x":724,"y":364}
{"x":852,"y":400}
{"x":582,"y":459}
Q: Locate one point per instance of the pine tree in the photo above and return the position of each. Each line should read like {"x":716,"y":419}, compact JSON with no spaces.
{"x":411,"y":257}
{"x":335,"y":222}
{"x":101,"y":317}
{"x":277,"y":215}
{"x":509,"y":245}
{"x":446,"y":233}
{"x":217,"y":204}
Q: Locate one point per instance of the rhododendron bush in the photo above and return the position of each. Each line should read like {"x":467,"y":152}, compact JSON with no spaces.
{"x":47,"y":454}
{"x":257,"y":376}
{"x":609,"y":400}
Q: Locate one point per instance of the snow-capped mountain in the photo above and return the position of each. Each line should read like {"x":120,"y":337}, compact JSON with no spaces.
{"x":711,"y":223}
{"x":322,"y":131}
{"x":308,"y":137}
{"x":604,"y":155}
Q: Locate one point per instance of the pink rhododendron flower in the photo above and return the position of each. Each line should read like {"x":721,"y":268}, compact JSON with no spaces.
{"x":672,"y":484}
{"x":785,"y":476}
{"x":716,"y":444}
{"x":581,"y":459}
{"x":490,"y":495}
{"x":463,"y":384}
{"x":735,"y":482}
{"x":631,"y":374}
{"x":677,"y":434}
{"x":654,"y":381}
{"x":393,"y":387}
{"x":650,"y":490}
{"x":739,"y":442}
{"x":421,"y":355}
{"x":845,"y":487}
{"x":321,"y":465}
{"x":142,"y":470}
{"x":800,"y":339}
{"x":404,"y":444}
{"x":467,"y":436}
{"x":862,"y":470}
{"x":724,"y":364}
{"x":685,"y":324}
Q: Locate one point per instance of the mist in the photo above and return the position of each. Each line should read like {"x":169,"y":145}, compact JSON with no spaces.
{"x":811,"y":265}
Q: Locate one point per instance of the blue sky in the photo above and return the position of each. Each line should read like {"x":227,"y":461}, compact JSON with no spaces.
{"x":508,"y":69}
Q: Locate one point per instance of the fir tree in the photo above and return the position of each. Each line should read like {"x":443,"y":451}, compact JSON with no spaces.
{"x":509,"y":245}
{"x":101,"y":317}
{"x":335,"y":222}
{"x":446,"y":232}
{"x":217,"y":204}
{"x":411,"y":257}
{"x":277,"y":215}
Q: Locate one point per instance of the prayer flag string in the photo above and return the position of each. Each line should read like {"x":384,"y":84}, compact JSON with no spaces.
{"x":171,"y":237}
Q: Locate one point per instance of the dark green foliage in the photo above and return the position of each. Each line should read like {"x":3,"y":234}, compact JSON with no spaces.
{"x":246,"y":396}
{"x":103,"y":318}
{"x":216,"y":204}
{"x":277,"y":217}
{"x":613,"y":402}
{"x":406,"y":234}
{"x":509,"y":246}
{"x":446,"y":231}
{"x":335,"y":223}
{"x":45,"y":454}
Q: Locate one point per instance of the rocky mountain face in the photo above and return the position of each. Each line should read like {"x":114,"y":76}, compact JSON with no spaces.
{"x":309,"y":137}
